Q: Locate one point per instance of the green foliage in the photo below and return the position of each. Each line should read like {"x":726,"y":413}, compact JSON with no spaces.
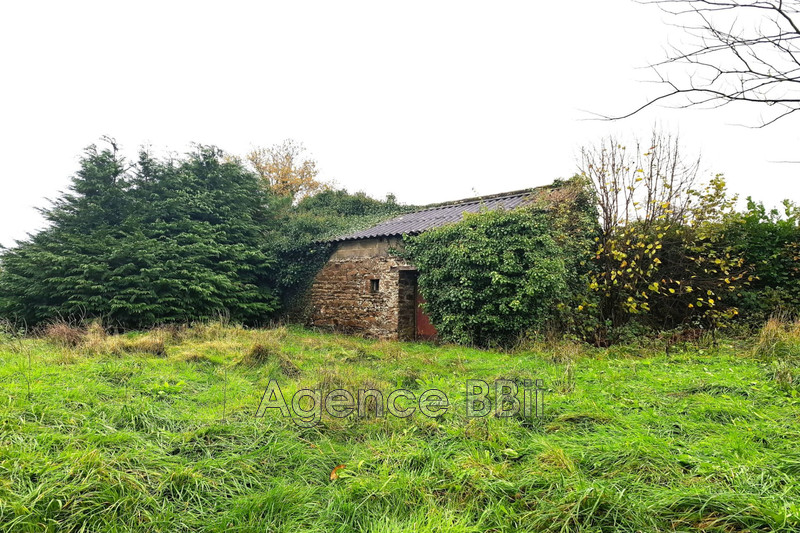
{"x":769,"y":242}
{"x":496,"y":274}
{"x":156,"y":241}
{"x":184,"y":239}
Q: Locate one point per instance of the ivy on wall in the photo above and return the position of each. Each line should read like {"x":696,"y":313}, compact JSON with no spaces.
{"x":497,"y":274}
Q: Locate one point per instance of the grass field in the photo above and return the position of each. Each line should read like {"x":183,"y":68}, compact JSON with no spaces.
{"x":156,"y":432}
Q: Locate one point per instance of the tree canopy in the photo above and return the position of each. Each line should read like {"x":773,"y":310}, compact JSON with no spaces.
{"x":286,"y":170}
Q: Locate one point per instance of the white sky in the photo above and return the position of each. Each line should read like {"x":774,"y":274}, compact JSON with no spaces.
{"x":431,"y":100}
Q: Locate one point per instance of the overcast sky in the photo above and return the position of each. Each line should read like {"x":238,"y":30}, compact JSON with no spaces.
{"x":431,"y":101}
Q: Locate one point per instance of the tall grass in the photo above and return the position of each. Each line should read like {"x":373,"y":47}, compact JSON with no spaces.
{"x":155,"y":431}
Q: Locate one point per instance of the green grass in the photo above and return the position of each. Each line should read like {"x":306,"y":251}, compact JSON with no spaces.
{"x":115,"y":435}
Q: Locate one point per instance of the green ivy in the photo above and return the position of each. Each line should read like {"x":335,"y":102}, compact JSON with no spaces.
{"x":498,"y":274}
{"x":299,"y":240}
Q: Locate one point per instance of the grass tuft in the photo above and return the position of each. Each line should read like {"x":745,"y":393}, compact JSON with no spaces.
{"x":778,"y":339}
{"x":262,"y":352}
{"x":557,"y":459}
{"x":64,"y":334}
{"x":288,"y":368}
{"x":146,"y":345}
{"x":782,"y":374}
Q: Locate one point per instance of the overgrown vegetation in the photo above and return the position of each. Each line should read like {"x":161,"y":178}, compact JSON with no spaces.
{"x":174,"y":241}
{"x":152,"y":242}
{"x":203,"y":236}
{"x":497,"y":274}
{"x":662,"y":258}
{"x":299,"y":238}
{"x":631,"y":439}
{"x":670,"y":254}
{"x":769,"y":242}
{"x":674,"y":253}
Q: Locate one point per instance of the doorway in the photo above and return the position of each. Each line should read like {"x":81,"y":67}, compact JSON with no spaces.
{"x":413,"y":323}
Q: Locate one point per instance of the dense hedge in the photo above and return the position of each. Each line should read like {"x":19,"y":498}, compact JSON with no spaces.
{"x":769,"y":242}
{"x":198,"y":236}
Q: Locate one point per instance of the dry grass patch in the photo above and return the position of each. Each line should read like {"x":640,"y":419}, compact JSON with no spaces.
{"x":287,"y":366}
{"x":213,"y":330}
{"x":261,"y":352}
{"x":268,"y":347}
{"x":96,"y":338}
{"x":64,"y":335}
{"x":565,"y":352}
{"x":279,"y":334}
{"x":148,"y":345}
{"x":143,"y":345}
{"x":172,"y":333}
{"x":778,"y":339}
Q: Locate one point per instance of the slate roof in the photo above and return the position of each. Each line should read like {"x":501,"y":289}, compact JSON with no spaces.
{"x":440,"y":214}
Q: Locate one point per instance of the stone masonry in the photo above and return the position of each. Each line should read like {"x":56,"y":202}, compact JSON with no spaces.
{"x":364,"y":289}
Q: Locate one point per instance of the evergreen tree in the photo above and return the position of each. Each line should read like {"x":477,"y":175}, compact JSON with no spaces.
{"x":161,"y":241}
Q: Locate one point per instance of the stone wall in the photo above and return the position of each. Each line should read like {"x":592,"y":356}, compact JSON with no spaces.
{"x":346,"y":297}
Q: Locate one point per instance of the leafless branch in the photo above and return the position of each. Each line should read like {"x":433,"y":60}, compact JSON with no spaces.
{"x":648,"y":183}
{"x":743,"y":51}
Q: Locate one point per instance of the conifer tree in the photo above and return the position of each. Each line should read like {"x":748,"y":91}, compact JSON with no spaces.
{"x":156,"y":241}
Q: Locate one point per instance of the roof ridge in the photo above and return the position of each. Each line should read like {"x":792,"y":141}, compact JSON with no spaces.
{"x":475,"y":199}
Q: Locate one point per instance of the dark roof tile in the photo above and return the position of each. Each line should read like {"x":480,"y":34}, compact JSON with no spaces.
{"x":442,"y":214}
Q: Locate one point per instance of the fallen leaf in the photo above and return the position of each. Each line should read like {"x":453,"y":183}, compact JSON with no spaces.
{"x":335,"y":472}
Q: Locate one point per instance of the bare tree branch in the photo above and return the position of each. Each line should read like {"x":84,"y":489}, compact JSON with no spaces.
{"x":743,"y":51}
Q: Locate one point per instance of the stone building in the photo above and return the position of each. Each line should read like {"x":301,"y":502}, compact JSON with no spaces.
{"x":366,"y":290}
